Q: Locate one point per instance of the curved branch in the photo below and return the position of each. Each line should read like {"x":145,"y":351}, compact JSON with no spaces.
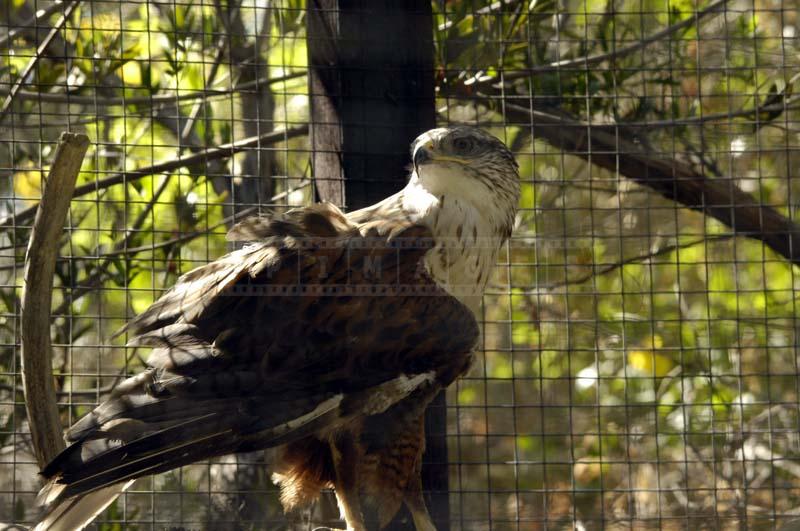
{"x":37,"y":288}
{"x":192,"y":235}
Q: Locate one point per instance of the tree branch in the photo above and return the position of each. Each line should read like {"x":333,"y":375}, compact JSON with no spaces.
{"x":186,"y":133}
{"x":783,"y":106}
{"x":597,"y":271}
{"x":32,"y":22}
{"x":185,"y":94}
{"x":96,"y":279}
{"x":591,"y":60}
{"x":491,"y":9}
{"x":88,"y":393}
{"x":607,"y":146}
{"x":247,"y":55}
{"x":192,"y":235}
{"x":202,"y":156}
{"x":37,"y":288}
{"x":128,"y":251}
{"x":40,"y":50}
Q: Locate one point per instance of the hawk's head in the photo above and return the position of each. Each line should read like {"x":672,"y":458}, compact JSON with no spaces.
{"x":466,"y":162}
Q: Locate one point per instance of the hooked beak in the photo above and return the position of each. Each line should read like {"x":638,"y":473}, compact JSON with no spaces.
{"x":425,"y":155}
{"x":421,"y":156}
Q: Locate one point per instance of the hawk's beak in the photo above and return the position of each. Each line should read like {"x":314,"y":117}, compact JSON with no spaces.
{"x":421,"y":156}
{"x":425,"y":154}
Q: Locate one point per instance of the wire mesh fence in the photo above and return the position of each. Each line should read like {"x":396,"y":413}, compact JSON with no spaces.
{"x":639,"y":360}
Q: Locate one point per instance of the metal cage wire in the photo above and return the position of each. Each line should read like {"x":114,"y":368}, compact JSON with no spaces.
{"x":639,"y":354}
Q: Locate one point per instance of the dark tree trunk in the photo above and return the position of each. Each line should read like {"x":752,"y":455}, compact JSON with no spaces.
{"x":372,"y":92}
{"x":371,"y":86}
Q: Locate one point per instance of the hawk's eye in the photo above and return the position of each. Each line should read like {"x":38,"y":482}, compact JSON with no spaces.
{"x":462,"y":145}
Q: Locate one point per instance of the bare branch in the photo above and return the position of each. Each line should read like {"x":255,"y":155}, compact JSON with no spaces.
{"x":184,"y":95}
{"x":128,"y":251}
{"x":492,"y":8}
{"x":783,"y":106}
{"x":192,"y":235}
{"x":591,"y":60}
{"x":95,"y":280}
{"x":32,"y":22}
{"x":40,"y":398}
{"x":186,"y":133}
{"x":202,"y":156}
{"x":40,"y":50}
{"x":608,"y":268}
{"x":609,"y":147}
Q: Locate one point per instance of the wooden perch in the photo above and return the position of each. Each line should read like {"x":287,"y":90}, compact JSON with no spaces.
{"x":37,"y":291}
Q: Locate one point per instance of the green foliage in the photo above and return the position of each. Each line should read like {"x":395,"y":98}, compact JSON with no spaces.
{"x":632,"y":324}
{"x":631,"y":346}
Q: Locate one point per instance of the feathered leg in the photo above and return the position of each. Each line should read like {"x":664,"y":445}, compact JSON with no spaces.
{"x":346,"y":456}
{"x":416,"y":503}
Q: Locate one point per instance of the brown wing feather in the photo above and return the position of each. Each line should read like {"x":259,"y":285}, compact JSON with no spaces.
{"x":244,"y":358}
{"x":279,"y":237}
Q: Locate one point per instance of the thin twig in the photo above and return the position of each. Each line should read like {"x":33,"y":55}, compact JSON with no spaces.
{"x":188,"y":129}
{"x":37,"y":291}
{"x":179,"y":239}
{"x":32,"y":22}
{"x":95,"y":280}
{"x":586,"y":61}
{"x":487,"y":10}
{"x":184,"y":95}
{"x":716,"y":117}
{"x":192,"y":235}
{"x":192,"y":119}
{"x":202,"y":156}
{"x":128,"y":251}
{"x":35,"y":59}
{"x":632,"y":260}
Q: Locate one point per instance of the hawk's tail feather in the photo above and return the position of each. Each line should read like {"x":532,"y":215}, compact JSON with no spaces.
{"x":87,"y":476}
{"x":121,"y":465}
{"x":76,"y":513}
{"x":92,"y":472}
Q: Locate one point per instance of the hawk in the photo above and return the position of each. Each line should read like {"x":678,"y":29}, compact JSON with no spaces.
{"x":324,"y":338}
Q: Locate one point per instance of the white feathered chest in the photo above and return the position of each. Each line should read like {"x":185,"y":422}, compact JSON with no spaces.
{"x":467,"y":242}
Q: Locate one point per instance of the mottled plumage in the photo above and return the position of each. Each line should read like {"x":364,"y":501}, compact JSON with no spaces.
{"x":325,"y":338}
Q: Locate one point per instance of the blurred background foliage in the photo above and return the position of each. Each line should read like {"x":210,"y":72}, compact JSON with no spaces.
{"x":640,"y":361}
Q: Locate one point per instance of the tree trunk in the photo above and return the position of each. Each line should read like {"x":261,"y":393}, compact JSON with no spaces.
{"x":371,"y":88}
{"x":372,"y":93}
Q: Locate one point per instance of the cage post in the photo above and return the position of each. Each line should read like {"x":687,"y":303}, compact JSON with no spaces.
{"x":371,"y":90}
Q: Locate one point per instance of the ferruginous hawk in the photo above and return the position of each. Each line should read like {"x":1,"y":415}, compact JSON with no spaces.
{"x":324,"y":338}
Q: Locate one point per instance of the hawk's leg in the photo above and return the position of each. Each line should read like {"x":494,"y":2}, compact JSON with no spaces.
{"x":346,"y":456}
